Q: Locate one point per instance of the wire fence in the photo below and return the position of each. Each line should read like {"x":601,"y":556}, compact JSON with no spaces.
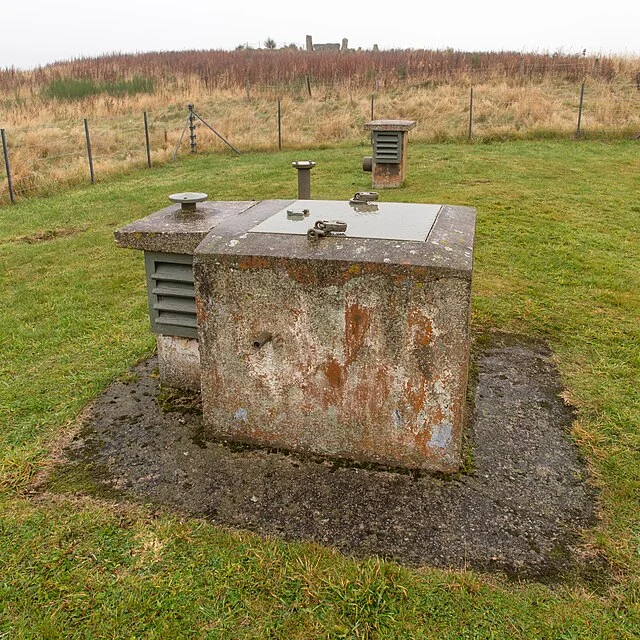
{"x":274,"y":116}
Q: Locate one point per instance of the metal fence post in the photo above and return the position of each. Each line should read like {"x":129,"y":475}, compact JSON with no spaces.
{"x":471,"y":113}
{"x":86,"y":133}
{"x":372,"y":105}
{"x":308,"y":86}
{"x":7,"y":166}
{"x":580,"y":110}
{"x":146,"y":138}
{"x":192,"y":129}
{"x":279,"y":126}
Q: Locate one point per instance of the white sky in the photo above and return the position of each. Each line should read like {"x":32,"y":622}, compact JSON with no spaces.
{"x":41,"y":31}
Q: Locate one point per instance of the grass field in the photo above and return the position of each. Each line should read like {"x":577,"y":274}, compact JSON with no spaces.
{"x":557,"y":257}
{"x":516,"y":96}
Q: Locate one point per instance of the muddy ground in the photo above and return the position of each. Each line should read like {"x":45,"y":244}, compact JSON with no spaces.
{"x":518,"y":508}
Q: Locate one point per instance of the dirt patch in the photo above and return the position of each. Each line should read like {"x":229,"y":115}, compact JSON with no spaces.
{"x":518,"y":510}
{"x":48,"y":234}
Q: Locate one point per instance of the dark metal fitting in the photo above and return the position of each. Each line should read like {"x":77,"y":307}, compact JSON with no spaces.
{"x":367,"y":163}
{"x":364,"y":196}
{"x":297,"y":214}
{"x":323,"y":228}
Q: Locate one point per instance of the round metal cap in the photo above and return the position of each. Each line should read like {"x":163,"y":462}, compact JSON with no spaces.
{"x":189,"y":197}
{"x":303,"y":164}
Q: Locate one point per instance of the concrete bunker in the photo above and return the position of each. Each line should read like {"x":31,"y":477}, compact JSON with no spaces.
{"x":352,"y":344}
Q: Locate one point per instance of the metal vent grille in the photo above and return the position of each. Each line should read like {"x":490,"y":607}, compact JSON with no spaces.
{"x":387,"y":146}
{"x":172,"y":300}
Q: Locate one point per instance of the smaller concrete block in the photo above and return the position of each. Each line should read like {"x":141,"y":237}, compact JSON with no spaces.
{"x":387,"y":176}
{"x":179,"y":362}
{"x":172,"y":230}
{"x":390,"y":125}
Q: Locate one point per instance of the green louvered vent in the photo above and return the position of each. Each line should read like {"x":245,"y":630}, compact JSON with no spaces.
{"x":172,"y":300}
{"x":387,"y":146}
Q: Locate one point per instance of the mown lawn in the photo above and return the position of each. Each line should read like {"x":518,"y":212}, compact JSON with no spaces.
{"x":557,"y":257}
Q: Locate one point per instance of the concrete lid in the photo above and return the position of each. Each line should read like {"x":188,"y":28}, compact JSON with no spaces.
{"x":172,"y":230}
{"x":389,"y":125}
{"x":448,"y":249}
{"x":384,"y":220}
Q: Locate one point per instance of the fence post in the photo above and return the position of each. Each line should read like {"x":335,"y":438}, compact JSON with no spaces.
{"x":146,"y":138}
{"x":7,"y":166}
{"x":521,"y":70}
{"x":308,"y":86}
{"x":192,"y":130}
{"x":248,"y":89}
{"x":279,"y":126}
{"x":86,"y":133}
{"x":580,"y":110}
{"x":372,"y":105}
{"x":470,"y":113}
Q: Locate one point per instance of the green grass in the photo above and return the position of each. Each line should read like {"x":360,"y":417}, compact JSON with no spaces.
{"x":77,"y":89}
{"x":557,"y":257}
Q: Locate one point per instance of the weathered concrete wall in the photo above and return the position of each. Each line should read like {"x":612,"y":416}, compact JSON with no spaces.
{"x":366,"y":363}
{"x":179,"y":362}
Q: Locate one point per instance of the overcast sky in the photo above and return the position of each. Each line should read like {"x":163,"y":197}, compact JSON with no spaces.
{"x":42,"y":31}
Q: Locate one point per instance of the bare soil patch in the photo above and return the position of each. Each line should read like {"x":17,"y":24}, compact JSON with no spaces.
{"x":518,"y":508}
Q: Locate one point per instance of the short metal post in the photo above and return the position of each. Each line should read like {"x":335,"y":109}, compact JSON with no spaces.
{"x":372,"y":105}
{"x":86,"y":133}
{"x":304,"y":178}
{"x":192,"y":129}
{"x":471,"y":113}
{"x":7,"y":166}
{"x":308,"y":86}
{"x":279,"y":126}
{"x":580,"y":110}
{"x":146,"y":137}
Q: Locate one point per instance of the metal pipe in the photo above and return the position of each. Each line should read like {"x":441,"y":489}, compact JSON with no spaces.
{"x":304,"y":178}
{"x":261,"y":339}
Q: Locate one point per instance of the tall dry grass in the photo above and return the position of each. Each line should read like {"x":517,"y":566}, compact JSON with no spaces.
{"x":515,"y":96}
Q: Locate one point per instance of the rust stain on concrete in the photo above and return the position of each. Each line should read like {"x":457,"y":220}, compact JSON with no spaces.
{"x":333,"y":371}
{"x":356,"y":323}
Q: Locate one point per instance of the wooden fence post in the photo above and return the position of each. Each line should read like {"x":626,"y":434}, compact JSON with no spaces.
{"x":470,"y":113}
{"x":279,"y":126}
{"x":7,"y":166}
{"x":580,"y":110}
{"x":86,"y":133}
{"x":146,"y":137}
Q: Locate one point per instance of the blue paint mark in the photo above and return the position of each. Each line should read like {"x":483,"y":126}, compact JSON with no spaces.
{"x":241,"y":414}
{"x":440,"y":436}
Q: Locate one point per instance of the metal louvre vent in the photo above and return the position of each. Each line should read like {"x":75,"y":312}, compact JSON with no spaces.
{"x":387,"y":146}
{"x":172,"y":300}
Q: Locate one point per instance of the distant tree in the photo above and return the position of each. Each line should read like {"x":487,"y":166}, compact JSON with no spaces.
{"x":270,"y":43}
